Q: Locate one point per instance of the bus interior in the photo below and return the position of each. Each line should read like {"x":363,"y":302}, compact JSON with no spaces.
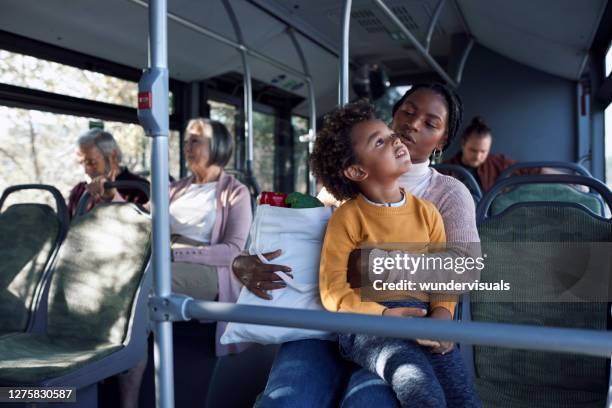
{"x":540,"y":72}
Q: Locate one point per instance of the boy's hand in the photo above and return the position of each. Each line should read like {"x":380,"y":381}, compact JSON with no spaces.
{"x":411,"y":312}
{"x":438,"y":346}
{"x":435,"y":346}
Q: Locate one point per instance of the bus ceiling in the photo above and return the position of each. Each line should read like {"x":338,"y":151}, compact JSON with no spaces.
{"x":558,"y":33}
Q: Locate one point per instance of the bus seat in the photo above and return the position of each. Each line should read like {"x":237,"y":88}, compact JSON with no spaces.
{"x":547,"y":192}
{"x":249,"y":182}
{"x":463,"y":175}
{"x":97,"y":307}
{"x":30,"y":236}
{"x":566,"y":167}
{"x":520,"y":378}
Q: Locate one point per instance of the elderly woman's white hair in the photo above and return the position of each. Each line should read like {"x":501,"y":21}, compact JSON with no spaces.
{"x":104,"y":141}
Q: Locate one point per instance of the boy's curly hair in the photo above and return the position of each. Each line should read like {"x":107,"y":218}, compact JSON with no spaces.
{"x":333,"y":150}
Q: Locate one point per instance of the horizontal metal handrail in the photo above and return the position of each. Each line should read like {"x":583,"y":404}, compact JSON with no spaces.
{"x":229,"y":42}
{"x":552,"y":339}
{"x":416,"y":44}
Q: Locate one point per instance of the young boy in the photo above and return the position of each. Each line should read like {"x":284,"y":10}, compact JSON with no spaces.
{"x":359,"y":159}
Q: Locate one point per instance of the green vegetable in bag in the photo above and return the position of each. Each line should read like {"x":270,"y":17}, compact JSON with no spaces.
{"x":299,"y":200}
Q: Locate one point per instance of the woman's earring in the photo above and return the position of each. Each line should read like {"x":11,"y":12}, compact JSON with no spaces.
{"x":436,"y":156}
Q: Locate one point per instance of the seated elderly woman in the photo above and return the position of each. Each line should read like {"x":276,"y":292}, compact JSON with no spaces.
{"x":210,"y":217}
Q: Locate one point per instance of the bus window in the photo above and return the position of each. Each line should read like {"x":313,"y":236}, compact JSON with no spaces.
{"x":608,"y":124}
{"x":35,"y":148}
{"x":609,"y":61}
{"x":226,"y":114}
{"x":300,"y":153}
{"x":263,"y":150}
{"x":136,"y":148}
{"x":385,"y":103}
{"x":39,"y":147}
{"x":608,"y":144}
{"x":35,"y":73}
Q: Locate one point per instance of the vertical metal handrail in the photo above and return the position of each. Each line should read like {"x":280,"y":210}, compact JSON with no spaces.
{"x":248,"y":95}
{"x":343,"y":91}
{"x":609,"y":397}
{"x":244,"y":52}
{"x":463,"y":60}
{"x":163,"y":349}
{"x":312,"y":128}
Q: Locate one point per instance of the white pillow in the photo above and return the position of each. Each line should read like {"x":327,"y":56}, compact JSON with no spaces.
{"x":299,"y":233}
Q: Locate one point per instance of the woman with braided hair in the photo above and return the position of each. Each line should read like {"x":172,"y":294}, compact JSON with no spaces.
{"x":311,"y":372}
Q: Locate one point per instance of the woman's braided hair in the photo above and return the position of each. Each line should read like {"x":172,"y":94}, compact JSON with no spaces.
{"x":453,"y":103}
{"x":333,"y":150}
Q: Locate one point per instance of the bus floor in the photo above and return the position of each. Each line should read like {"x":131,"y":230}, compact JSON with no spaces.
{"x":237,"y":379}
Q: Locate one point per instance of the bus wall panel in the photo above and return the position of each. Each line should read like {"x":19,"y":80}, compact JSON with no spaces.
{"x":532,"y":114}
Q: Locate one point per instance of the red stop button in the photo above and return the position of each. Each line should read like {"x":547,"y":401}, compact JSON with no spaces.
{"x":145,"y":100}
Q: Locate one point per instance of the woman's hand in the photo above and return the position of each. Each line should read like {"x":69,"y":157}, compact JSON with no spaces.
{"x":405,"y":312}
{"x":257,"y":276}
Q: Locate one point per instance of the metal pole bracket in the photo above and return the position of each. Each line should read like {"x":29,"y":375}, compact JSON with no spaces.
{"x":169,"y":309}
{"x":153,"y":116}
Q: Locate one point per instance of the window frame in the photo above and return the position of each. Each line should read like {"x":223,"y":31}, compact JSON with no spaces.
{"x":26,"y":98}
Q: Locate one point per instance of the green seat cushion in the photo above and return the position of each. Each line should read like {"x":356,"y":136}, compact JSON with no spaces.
{"x":27,"y":237}
{"x":513,"y":395}
{"x":545,"y":192}
{"x":93,"y":288}
{"x":523,"y":378}
{"x":99,"y":268}
{"x":29,"y":359}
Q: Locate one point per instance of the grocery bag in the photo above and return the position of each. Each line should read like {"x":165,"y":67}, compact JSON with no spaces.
{"x":299,"y":233}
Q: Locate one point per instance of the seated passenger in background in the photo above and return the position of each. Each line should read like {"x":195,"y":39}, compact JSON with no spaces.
{"x":100,"y":156}
{"x":474,"y":155}
{"x":210,"y":218}
{"x":359,"y":159}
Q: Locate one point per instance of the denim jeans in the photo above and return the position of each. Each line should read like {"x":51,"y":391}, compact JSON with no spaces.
{"x":311,"y":373}
{"x":305,"y":374}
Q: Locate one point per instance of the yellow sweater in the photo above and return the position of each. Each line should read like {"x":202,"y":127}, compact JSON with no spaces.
{"x":358,"y":223}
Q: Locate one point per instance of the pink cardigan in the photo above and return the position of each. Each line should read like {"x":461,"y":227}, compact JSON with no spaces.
{"x":228,"y":239}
